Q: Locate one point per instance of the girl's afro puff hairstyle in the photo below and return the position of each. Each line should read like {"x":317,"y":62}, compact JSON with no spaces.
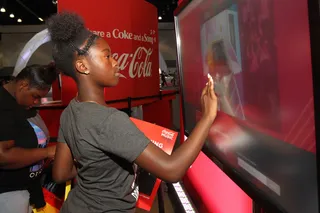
{"x":68,"y":33}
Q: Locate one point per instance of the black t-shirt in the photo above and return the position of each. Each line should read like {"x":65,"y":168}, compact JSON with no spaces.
{"x":15,"y":126}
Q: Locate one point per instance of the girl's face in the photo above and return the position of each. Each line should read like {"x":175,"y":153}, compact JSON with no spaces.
{"x":102,"y":68}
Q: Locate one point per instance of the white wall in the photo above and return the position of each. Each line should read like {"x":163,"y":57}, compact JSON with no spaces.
{"x":12,"y":44}
{"x":167,"y":41}
{"x":167,"y":44}
{"x":13,"y":39}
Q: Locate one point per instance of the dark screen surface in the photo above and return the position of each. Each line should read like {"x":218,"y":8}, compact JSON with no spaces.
{"x":259,"y":54}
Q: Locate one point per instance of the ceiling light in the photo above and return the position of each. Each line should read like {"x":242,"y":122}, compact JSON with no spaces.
{"x":3,"y":10}
{"x":40,"y":19}
{"x":54,"y":1}
{"x":11,"y":15}
{"x":19,"y":20}
{"x":160,"y":18}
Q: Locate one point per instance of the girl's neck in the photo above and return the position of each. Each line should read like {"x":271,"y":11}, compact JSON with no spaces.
{"x":89,"y":93}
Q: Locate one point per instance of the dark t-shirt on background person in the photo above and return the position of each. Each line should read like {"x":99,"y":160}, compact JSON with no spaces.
{"x":42,"y":133}
{"x":15,"y":126}
{"x":105,"y":143}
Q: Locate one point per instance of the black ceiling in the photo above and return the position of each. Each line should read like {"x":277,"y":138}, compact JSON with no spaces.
{"x":29,"y":11}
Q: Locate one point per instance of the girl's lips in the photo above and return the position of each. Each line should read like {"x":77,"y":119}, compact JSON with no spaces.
{"x":118,"y":74}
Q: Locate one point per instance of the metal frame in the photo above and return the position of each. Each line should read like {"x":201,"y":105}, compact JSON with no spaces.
{"x":261,"y":203}
{"x":179,"y":65}
{"x":314,"y":23}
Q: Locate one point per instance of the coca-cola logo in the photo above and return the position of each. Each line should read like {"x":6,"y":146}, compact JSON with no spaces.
{"x":138,"y":63}
{"x":167,"y":134}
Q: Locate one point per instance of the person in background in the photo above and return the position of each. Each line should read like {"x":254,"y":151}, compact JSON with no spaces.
{"x":21,"y":148}
{"x":163,"y":79}
{"x":103,"y":140}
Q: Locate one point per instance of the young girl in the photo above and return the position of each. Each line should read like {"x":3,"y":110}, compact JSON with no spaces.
{"x":102,"y":140}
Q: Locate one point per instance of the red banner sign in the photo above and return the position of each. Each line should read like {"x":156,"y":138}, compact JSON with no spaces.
{"x":164,"y":139}
{"x":131,"y":29}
